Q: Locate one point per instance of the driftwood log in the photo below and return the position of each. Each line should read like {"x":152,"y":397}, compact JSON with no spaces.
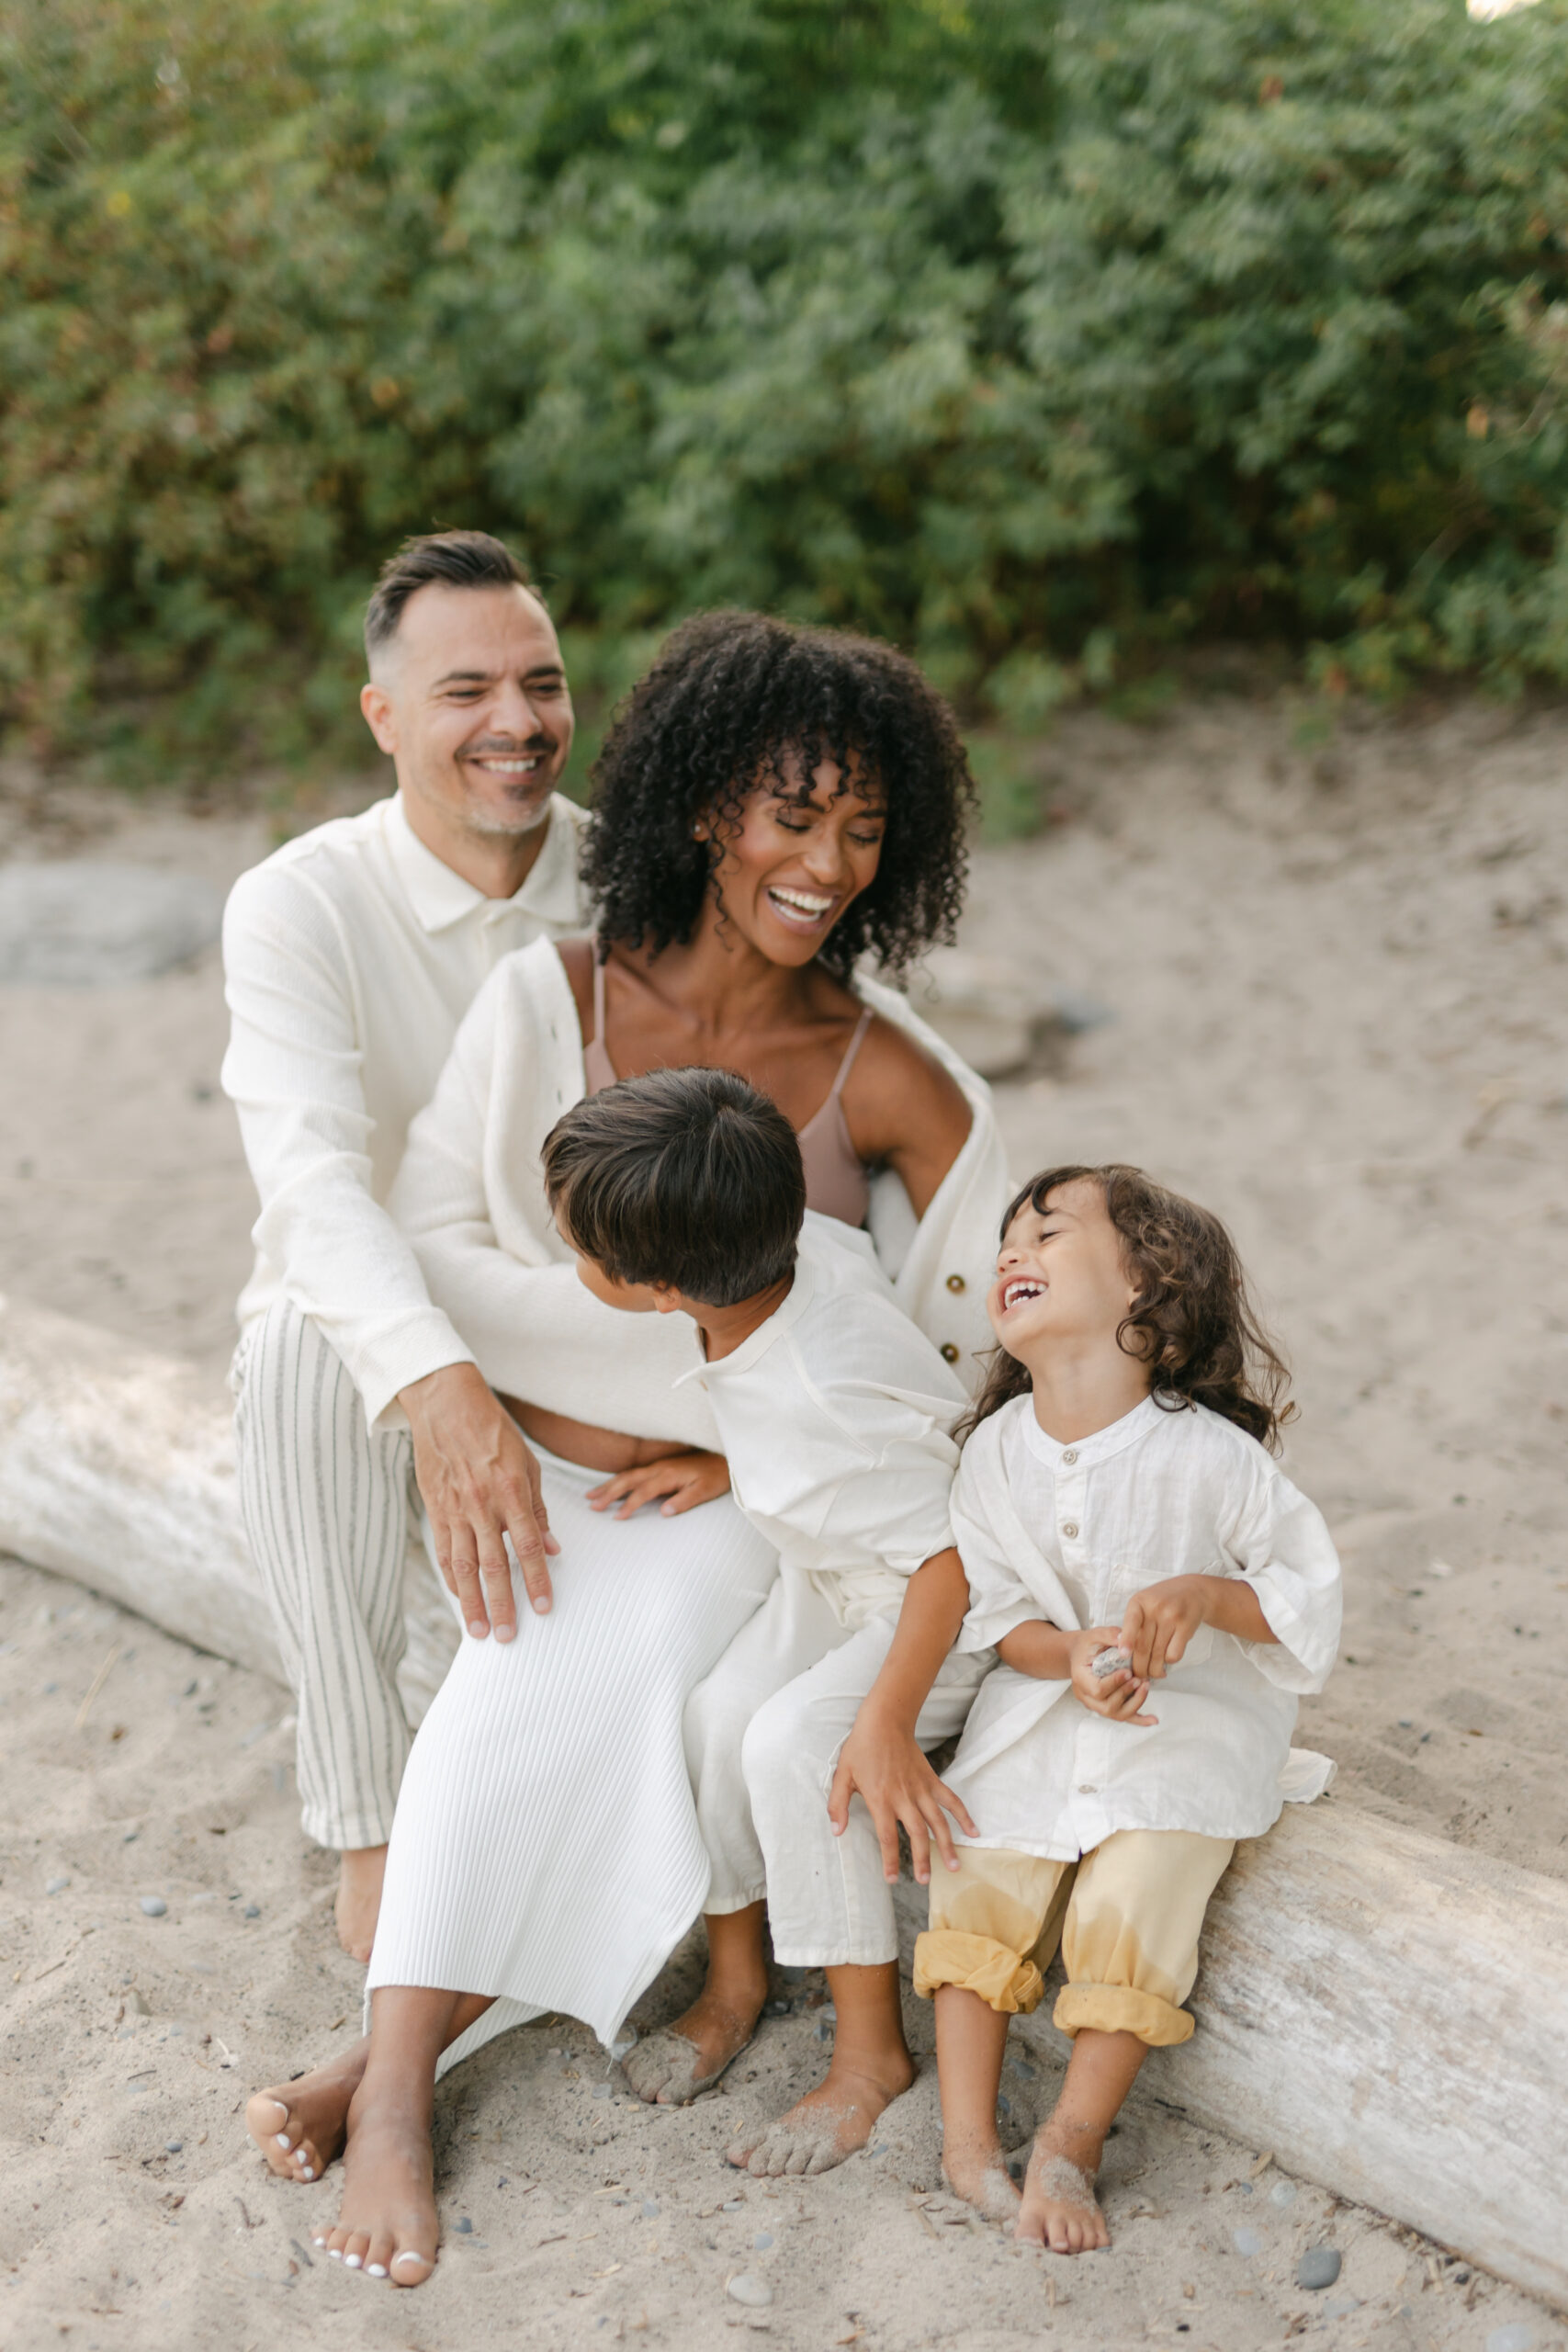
{"x":116,"y":1468}
{"x":1386,"y":2012}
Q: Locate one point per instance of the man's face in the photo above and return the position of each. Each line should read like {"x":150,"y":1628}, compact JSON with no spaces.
{"x":470,"y":701}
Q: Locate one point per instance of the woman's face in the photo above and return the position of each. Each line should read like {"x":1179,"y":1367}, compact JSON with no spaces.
{"x":787,"y":874}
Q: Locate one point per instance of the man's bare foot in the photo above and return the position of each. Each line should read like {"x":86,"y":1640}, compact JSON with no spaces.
{"x":829,"y":2123}
{"x":978,"y":2174}
{"x":675,"y":2065}
{"x":299,"y":2127}
{"x":360,"y":1872}
{"x":387,"y":2223}
{"x":1060,"y":2209}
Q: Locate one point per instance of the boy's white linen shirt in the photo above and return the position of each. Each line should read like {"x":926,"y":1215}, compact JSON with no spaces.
{"x":351,"y":956}
{"x":835,"y":1417}
{"x":1068,"y":1534}
{"x":471,"y":1197}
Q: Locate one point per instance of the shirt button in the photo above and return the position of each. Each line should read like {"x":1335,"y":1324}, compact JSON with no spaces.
{"x":1069,"y":1526}
{"x":1088,"y":1789}
{"x":955,"y":1282}
{"x":1071,"y":1455}
{"x":949,"y":1352}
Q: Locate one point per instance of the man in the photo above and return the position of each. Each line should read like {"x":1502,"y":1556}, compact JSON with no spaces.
{"x":351,"y":956}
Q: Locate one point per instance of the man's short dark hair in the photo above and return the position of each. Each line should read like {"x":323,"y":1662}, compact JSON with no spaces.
{"x":458,"y":559}
{"x":686,"y":1178}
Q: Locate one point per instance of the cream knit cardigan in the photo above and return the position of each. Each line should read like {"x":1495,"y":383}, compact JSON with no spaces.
{"x":471,"y":1197}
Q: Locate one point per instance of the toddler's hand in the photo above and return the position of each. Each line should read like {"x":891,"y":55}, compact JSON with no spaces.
{"x":1119,"y":1696}
{"x":1160,"y":1622}
{"x":683,"y":1480}
{"x":883,"y":1763}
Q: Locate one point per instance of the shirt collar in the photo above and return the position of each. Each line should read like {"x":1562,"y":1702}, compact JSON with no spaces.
{"x":1088,"y":1450}
{"x":440,"y":897}
{"x":787,"y":1313}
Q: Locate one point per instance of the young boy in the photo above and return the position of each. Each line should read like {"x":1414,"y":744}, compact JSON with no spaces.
{"x":681,"y":1191}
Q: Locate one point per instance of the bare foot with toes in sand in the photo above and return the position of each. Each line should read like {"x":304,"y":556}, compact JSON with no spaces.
{"x":387,"y":2223}
{"x":831,"y":2123}
{"x":301,"y":2127}
{"x":1060,"y":2210}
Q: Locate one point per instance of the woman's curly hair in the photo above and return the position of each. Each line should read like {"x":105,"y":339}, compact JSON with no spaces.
{"x":736,"y":700}
{"x":1192,"y":1322}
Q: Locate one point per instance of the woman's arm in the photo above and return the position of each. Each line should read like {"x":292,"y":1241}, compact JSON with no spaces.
{"x":905,"y":1111}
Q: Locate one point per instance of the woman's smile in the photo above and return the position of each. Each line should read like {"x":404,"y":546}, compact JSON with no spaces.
{"x":803,"y":911}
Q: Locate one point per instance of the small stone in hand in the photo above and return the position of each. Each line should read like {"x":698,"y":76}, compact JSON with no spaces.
{"x":1110,"y":1662}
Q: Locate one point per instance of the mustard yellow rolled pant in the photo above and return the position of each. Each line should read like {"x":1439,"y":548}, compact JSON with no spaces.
{"x":1127,"y":1916}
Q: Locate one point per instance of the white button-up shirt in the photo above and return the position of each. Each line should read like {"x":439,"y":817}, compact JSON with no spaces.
{"x":834,"y":1416}
{"x":1068,"y":1534}
{"x":350,"y":956}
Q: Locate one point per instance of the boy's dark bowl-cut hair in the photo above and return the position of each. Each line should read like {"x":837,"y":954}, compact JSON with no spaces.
{"x":1192,"y":1321}
{"x":455,"y":559}
{"x":741,"y":702}
{"x":687,"y":1178}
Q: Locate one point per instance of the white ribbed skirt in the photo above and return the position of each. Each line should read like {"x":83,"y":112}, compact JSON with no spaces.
{"x":546,"y":1847}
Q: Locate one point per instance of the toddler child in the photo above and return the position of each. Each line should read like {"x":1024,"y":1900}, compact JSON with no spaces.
{"x":1115,"y":1495}
{"x":834,"y":1413}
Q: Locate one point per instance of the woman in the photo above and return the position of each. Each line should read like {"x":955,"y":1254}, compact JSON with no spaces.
{"x":771,"y":804}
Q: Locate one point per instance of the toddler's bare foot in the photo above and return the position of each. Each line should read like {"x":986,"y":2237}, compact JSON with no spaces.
{"x":1060,"y":2209}
{"x":829,"y":2123}
{"x":978,"y":2172}
{"x":387,"y":2223}
{"x":299,"y":2127}
{"x":360,"y":1872}
{"x":674,"y":2066}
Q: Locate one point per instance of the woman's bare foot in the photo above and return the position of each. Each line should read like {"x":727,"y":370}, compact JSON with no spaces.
{"x":829,"y":2123}
{"x":301,"y":2127}
{"x":360,"y":1872}
{"x":675,"y":2065}
{"x":1060,"y":2209}
{"x":386,"y":2224}
{"x":976,"y":2171}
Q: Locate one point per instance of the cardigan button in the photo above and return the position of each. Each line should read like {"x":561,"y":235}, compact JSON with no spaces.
{"x":1069,"y":1528}
{"x":949,"y":1352}
{"x":955,"y":1282}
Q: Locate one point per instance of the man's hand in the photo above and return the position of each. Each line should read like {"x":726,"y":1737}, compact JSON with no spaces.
{"x":480,"y":1484}
{"x":1117,"y":1697}
{"x":881,"y":1762}
{"x":1160,"y":1622}
{"x":683,"y":1479}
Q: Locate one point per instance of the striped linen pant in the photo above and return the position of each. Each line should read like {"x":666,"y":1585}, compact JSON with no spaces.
{"x":327,"y":1507}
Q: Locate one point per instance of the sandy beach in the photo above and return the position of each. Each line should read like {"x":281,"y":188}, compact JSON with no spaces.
{"x":1332,"y":984}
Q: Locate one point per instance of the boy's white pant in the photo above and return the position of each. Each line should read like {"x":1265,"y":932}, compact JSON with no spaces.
{"x":762,"y":1736}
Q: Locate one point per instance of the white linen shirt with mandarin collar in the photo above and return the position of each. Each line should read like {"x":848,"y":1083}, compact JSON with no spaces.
{"x":1068,"y":1533}
{"x":835,"y":1417}
{"x":351,"y":956}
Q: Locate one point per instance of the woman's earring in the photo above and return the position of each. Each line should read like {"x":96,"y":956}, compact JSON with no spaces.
{"x":699,"y":832}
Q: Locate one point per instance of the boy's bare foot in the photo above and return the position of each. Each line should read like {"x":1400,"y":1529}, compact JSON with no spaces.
{"x":674,"y":2066}
{"x":299,"y":2127}
{"x":829,"y":2123}
{"x":1060,"y":2209}
{"x":387,"y":2223}
{"x":360,"y":1872}
{"x":978,"y":2174}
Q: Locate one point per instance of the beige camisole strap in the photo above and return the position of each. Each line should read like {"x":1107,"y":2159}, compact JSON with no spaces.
{"x":836,"y":1184}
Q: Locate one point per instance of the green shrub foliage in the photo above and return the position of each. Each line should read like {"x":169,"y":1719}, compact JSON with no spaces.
{"x":1037,"y":339}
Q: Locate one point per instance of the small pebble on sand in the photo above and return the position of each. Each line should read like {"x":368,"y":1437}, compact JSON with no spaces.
{"x":649,"y":2209}
{"x":751,"y":2290}
{"x":57,"y":1886}
{"x":251,"y":1911}
{"x":734,"y":2204}
{"x":1247,"y":2241}
{"x":154,"y":1905}
{"x":172,"y":2147}
{"x":1282,"y":2193}
{"x":1319,"y":2266}
{"x":464,"y":2228}
{"x":761,"y":2242}
{"x":1517,"y":2336}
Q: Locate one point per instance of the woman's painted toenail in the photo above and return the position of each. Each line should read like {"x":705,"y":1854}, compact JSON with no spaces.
{"x":306,"y":2173}
{"x":351,"y":2261}
{"x":334,"y":2254}
{"x":375,"y":2271}
{"x":283,"y":2140}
